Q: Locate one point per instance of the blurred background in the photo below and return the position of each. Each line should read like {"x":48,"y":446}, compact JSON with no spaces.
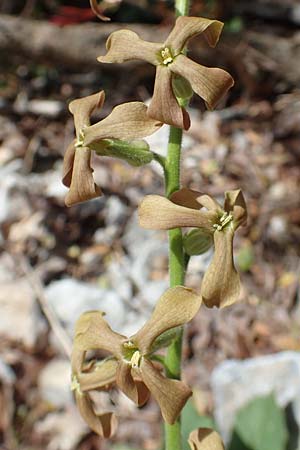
{"x":243,"y":362}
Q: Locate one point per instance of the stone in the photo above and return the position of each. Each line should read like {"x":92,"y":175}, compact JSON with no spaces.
{"x":235,"y":383}
{"x":54,"y":383}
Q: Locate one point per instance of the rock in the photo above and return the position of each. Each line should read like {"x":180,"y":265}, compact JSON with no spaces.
{"x":69,"y":298}
{"x":235,"y":383}
{"x":54,"y":383}
{"x":20,"y":320}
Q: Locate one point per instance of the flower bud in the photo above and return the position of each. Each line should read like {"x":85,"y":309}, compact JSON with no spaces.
{"x":182,"y":89}
{"x":136,"y":153}
{"x":197,"y":241}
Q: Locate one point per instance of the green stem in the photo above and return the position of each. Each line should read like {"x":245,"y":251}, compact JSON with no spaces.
{"x":173,"y":439}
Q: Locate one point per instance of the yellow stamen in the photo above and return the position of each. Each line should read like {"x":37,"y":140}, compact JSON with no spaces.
{"x":166,"y":56}
{"x":79,"y":142}
{"x":135,"y":359}
{"x":75,"y":385}
{"x":224,"y":220}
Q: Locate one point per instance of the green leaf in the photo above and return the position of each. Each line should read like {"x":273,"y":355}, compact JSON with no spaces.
{"x":191,"y":420}
{"x":261,"y":425}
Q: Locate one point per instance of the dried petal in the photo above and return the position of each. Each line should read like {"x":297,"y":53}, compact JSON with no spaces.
{"x":82,"y":185}
{"x":82,"y":109}
{"x":210,"y":203}
{"x":68,"y":164}
{"x":126,"y":121}
{"x":205,"y":439}
{"x":159,"y":213}
{"x":164,"y":106}
{"x":103,"y":424}
{"x":187,"y":197}
{"x":175,"y":307}
{"x":93,"y":332}
{"x":209,"y":83}
{"x":125,"y":45}
{"x":171,"y":395}
{"x":221,"y":282}
{"x":101,"y":376}
{"x":187,"y":27}
{"x":134,"y":389}
{"x":236,"y":205}
{"x":98,"y":11}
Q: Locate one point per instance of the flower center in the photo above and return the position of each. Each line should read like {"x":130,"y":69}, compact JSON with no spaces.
{"x":75,"y":385}
{"x":223,"y":221}
{"x":135,"y":359}
{"x":166,"y":56}
{"x":79,"y":141}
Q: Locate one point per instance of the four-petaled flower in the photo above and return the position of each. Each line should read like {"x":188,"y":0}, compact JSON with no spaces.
{"x":127,"y":121}
{"x":221,"y":282}
{"x":168,"y":57}
{"x":130,"y":365}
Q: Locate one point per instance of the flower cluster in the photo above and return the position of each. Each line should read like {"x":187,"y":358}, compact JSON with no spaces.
{"x":132,"y":364}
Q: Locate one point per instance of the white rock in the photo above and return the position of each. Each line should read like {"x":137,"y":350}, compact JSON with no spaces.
{"x":235,"y":383}
{"x":54,"y":383}
{"x":70,"y":298}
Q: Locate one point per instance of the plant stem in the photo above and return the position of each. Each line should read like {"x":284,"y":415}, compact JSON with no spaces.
{"x":176,"y":256}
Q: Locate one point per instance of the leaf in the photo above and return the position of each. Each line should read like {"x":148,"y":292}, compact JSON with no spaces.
{"x":261,"y":425}
{"x":245,"y":257}
{"x":191,"y":420}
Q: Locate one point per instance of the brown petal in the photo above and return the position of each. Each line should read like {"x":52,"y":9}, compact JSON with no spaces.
{"x":101,"y":376}
{"x":164,"y":106}
{"x":82,"y":109}
{"x":93,"y":332}
{"x":68,"y":164}
{"x":221,"y":282}
{"x":187,"y":27}
{"x":98,"y":11}
{"x":175,"y":307}
{"x":235,"y":203}
{"x":159,"y":213}
{"x":205,"y":439}
{"x":210,"y":203}
{"x":187,"y":197}
{"x":125,"y":45}
{"x":82,"y":185}
{"x":103,"y":424}
{"x":126,"y":121}
{"x":134,"y":389}
{"x":171,"y":395}
{"x":209,"y":83}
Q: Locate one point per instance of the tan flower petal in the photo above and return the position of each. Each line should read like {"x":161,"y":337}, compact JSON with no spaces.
{"x":127,"y":121}
{"x":171,"y":395}
{"x":209,"y":83}
{"x":82,"y":185}
{"x":187,"y":197}
{"x":159,"y":213}
{"x":134,"y":389}
{"x":68,"y":164}
{"x":221,"y":282}
{"x":187,"y":27}
{"x":101,"y":376}
{"x":93,"y":332}
{"x":164,"y":106}
{"x":210,"y":203}
{"x":235,"y":204}
{"x":175,"y":307}
{"x":98,"y":11}
{"x":205,"y":439}
{"x":103,"y":424}
{"x":125,"y":45}
{"x":82,"y":109}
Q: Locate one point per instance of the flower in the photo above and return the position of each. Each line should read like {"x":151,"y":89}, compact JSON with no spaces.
{"x":205,"y":439}
{"x":98,"y":11}
{"x":168,"y":57}
{"x":221,"y":282}
{"x":130,"y":365}
{"x":126,"y":121}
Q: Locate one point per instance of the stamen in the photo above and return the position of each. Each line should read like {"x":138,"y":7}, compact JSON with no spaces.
{"x":75,"y":385}
{"x":128,"y":344}
{"x":224,"y":220}
{"x":79,"y":142}
{"x":166,"y":56}
{"x":135,"y":359}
